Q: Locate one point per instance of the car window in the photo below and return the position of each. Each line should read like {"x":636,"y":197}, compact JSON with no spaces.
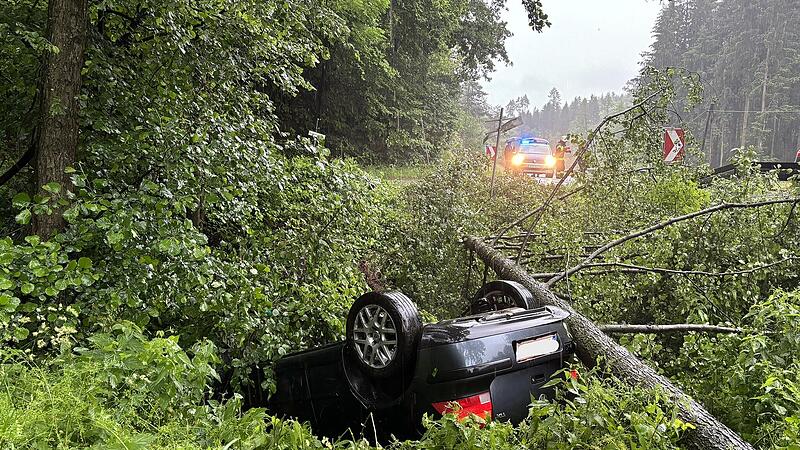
{"x":541,"y":149}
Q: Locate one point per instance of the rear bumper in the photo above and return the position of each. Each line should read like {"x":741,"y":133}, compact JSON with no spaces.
{"x":451,"y":368}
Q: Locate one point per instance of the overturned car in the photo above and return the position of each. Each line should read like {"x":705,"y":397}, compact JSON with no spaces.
{"x":392,"y":369}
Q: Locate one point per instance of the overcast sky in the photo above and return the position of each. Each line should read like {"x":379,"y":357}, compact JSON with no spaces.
{"x":593,"y":46}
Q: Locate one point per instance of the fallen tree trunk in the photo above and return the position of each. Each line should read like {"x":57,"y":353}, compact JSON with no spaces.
{"x":624,"y":328}
{"x":592,"y":343}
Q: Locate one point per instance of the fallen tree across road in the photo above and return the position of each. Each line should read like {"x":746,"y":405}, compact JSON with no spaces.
{"x":709,"y":433}
{"x":624,"y":328}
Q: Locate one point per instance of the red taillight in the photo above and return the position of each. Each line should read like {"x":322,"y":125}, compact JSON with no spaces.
{"x":480,"y":405}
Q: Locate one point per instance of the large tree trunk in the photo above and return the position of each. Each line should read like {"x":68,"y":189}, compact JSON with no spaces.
{"x":764,"y":100}
{"x":745,"y":120}
{"x":58,"y":122}
{"x":593,"y":343}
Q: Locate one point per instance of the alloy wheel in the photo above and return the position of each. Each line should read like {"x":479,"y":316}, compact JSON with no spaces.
{"x":375,"y":336}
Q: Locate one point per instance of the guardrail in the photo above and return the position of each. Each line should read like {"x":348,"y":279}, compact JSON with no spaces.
{"x":784,"y":170}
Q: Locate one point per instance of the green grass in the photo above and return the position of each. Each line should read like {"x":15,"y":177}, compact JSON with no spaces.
{"x":400,"y":174}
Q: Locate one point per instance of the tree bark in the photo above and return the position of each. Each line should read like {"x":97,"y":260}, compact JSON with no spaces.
{"x":745,"y":119}
{"x":57,"y":141}
{"x":764,"y":99}
{"x":593,"y":343}
{"x":667,"y":329}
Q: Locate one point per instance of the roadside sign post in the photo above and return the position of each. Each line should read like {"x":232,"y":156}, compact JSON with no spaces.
{"x":674,"y":145}
{"x":497,"y":145}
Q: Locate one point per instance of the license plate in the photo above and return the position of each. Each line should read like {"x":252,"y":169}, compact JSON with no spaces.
{"x":535,"y":348}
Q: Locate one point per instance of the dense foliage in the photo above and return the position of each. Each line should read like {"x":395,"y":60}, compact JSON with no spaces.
{"x":736,"y":267}
{"x":129,"y":392}
{"x":206,"y":236}
{"x":407,"y":60}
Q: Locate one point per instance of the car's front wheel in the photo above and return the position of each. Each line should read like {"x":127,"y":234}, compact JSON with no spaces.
{"x":383,"y":330}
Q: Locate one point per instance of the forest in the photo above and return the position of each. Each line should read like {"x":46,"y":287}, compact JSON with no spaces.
{"x":746,"y":53}
{"x":191,"y":190}
{"x":558,"y":118}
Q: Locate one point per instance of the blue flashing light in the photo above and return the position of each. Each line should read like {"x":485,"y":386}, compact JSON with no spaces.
{"x":530,"y":141}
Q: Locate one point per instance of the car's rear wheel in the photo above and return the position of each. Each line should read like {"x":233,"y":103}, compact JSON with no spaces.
{"x":501,"y":294}
{"x":383,"y":330}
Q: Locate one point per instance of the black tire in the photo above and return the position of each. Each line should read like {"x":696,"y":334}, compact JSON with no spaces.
{"x":367,"y":343}
{"x":501,"y":294}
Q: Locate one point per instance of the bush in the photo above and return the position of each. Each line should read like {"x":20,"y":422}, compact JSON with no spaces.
{"x":751,"y":380}
{"x":422,"y":253}
{"x":591,"y":411}
{"x":129,"y":392}
{"x":273,"y":279}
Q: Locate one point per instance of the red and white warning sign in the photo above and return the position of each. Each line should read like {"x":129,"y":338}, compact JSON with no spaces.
{"x":674,"y":144}
{"x":491,"y":152}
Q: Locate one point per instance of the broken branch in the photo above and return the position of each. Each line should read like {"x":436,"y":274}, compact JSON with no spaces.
{"x":633,"y":268}
{"x":578,"y":157}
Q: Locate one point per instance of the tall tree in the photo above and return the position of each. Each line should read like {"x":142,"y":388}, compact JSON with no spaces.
{"x":57,"y":137}
{"x":747,"y":54}
{"x":555,"y":119}
{"x":409,"y":60}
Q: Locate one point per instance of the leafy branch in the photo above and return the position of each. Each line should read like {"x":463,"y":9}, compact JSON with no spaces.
{"x":659,"y":226}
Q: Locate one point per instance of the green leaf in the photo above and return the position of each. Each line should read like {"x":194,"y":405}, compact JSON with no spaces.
{"x":8,"y":303}
{"x":70,"y":215}
{"x":24,"y":217}
{"x":21,"y":333}
{"x":6,"y":258}
{"x":84,"y":263}
{"x":114,"y":237}
{"x":26,"y":288}
{"x":52,"y":187}
{"x":21,"y":200}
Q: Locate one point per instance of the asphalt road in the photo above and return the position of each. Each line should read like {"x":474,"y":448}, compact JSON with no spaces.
{"x":553,"y":181}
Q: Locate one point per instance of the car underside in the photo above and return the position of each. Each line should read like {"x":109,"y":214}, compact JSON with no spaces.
{"x":391,"y":370}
